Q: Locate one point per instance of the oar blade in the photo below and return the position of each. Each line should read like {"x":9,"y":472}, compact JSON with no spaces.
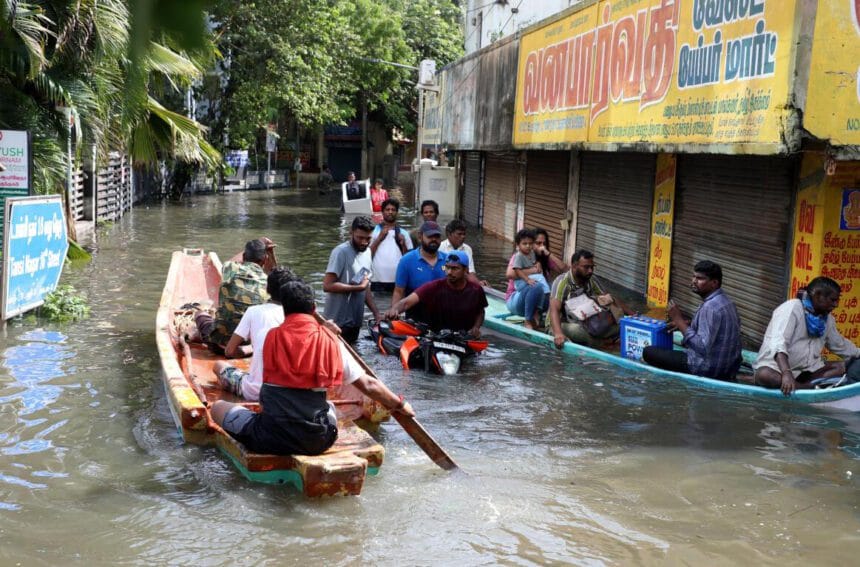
{"x":426,"y":442}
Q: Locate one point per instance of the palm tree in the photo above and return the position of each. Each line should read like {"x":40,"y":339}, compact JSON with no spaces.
{"x":80,"y":58}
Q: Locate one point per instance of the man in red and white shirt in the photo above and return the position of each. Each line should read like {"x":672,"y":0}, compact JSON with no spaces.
{"x":301,"y":360}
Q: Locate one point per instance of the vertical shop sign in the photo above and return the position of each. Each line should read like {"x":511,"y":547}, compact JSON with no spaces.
{"x":662,"y":218}
{"x":827,"y":235}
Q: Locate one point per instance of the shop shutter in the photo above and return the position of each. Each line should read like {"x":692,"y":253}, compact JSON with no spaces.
{"x":501,"y":174}
{"x":546,"y":194}
{"x":472,"y":190}
{"x":614,"y":214}
{"x":734,"y":210}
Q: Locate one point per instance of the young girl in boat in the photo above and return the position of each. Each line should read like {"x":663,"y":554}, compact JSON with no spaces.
{"x":377,"y":196}
{"x":530,"y":281}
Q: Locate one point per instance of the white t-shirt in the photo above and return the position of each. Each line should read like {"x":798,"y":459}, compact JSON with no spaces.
{"x":255,"y":325}
{"x":352,"y":370}
{"x":387,"y":255}
{"x":446,"y":247}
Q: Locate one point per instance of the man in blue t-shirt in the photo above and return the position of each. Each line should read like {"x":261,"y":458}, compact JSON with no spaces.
{"x":422,"y":265}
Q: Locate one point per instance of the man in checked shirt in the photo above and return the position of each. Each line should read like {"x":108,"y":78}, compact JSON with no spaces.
{"x":712,"y":341}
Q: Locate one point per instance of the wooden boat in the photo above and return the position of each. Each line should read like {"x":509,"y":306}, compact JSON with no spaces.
{"x":191,"y":386}
{"x":357,"y":206}
{"x":499,"y":319}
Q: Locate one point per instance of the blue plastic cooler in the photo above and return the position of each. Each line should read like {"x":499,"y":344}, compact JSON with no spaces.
{"x":639,"y":331}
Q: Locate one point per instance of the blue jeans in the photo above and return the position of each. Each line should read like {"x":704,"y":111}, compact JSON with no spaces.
{"x":527,"y":302}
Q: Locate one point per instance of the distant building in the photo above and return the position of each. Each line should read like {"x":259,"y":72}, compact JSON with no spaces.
{"x":488,"y":21}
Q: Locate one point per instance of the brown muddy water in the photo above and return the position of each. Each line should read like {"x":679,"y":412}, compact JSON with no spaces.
{"x":569,"y":461}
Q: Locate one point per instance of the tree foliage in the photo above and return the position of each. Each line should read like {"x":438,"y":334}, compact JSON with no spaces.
{"x":96,"y":61}
{"x":314,"y":60}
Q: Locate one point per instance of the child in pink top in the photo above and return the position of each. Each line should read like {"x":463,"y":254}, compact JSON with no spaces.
{"x":377,"y":195}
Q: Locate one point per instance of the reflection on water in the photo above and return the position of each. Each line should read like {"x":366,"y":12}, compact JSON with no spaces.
{"x":569,"y":460}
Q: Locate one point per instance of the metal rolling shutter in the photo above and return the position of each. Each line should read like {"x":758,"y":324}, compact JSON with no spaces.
{"x":734,"y":210}
{"x":472,"y":190}
{"x":614,"y":214}
{"x":501,"y":175}
{"x":546,"y":194}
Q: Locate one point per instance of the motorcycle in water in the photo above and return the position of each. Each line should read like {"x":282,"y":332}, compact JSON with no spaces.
{"x":420,"y":347}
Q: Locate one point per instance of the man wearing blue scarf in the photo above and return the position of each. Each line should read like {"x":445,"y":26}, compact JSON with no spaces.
{"x":790,"y":355}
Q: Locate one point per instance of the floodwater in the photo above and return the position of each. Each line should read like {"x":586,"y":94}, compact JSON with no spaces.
{"x":569,"y":461}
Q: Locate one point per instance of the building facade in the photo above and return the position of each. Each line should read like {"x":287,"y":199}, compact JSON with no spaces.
{"x":658,"y":133}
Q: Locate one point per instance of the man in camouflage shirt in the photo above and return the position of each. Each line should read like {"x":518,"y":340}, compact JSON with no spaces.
{"x":243,"y":284}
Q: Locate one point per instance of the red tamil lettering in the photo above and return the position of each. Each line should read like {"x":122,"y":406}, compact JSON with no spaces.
{"x":579,"y":71}
{"x":627,"y":53}
{"x":806,"y":217}
{"x":600,"y":91}
{"x":531,"y":95}
{"x":803,"y":255}
{"x":660,"y":52}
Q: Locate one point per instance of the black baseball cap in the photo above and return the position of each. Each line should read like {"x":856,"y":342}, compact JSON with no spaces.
{"x":431,"y":228}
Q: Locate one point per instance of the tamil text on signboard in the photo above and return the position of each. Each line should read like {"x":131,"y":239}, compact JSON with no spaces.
{"x":34,"y":250}
{"x":659,"y":72}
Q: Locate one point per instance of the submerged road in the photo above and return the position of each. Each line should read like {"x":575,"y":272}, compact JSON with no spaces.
{"x":570,"y":461}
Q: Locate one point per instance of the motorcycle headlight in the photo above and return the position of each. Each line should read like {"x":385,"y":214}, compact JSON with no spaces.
{"x":450,"y":363}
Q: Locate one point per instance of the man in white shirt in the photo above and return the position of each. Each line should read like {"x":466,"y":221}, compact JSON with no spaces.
{"x":254,"y":326}
{"x":790,"y":354}
{"x":388,"y":243}
{"x":456,"y":241}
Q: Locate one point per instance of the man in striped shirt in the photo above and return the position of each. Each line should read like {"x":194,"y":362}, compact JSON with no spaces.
{"x":713,"y":339}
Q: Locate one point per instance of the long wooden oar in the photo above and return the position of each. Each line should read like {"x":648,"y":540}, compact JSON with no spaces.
{"x":409,"y":424}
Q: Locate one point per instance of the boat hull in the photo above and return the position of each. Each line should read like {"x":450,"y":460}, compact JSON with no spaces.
{"x":844,"y":398}
{"x":194,"y":277}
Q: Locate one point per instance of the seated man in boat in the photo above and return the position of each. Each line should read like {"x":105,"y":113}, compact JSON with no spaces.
{"x":353,"y":189}
{"x":453,"y":302}
{"x":301,"y":359}
{"x":790,"y":354}
{"x":243,"y":284}
{"x":573,"y":287}
{"x":255,"y":324}
{"x":712,"y":340}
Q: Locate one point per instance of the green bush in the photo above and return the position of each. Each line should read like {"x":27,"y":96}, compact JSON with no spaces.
{"x":64,"y":305}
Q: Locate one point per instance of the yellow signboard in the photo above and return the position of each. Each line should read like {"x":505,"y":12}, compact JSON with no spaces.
{"x":827,"y":235}
{"x":658,"y":71}
{"x":833,"y":96}
{"x":662,"y":219}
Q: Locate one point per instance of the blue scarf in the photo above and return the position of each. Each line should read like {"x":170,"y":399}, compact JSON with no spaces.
{"x":815,"y":324}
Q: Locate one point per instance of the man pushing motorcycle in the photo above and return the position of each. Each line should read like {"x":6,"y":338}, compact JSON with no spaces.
{"x":452,"y":302}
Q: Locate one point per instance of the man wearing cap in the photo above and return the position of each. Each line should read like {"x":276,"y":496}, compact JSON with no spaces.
{"x":243,"y":284}
{"x":453,"y":303}
{"x":422,"y":265}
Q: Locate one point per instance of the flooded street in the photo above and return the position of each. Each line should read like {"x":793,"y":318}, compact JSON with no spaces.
{"x":567,"y":460}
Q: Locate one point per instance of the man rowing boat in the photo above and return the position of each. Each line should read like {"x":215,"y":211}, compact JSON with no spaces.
{"x":301,"y":360}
